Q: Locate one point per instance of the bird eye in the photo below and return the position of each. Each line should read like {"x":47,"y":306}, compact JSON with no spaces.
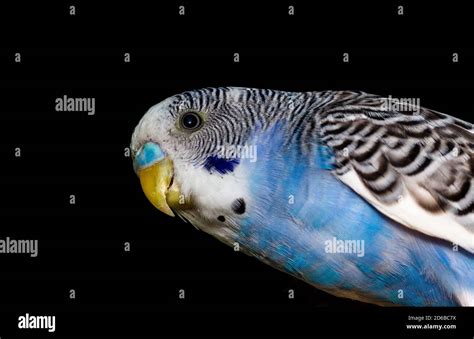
{"x":191,"y":121}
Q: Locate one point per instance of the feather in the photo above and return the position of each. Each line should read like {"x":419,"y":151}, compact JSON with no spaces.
{"x":416,"y":168}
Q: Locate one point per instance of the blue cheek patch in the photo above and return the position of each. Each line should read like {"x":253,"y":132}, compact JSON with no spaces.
{"x":149,"y":154}
{"x":221,"y":165}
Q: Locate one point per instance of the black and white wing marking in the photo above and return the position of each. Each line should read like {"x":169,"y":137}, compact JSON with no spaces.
{"x":415,"y":167}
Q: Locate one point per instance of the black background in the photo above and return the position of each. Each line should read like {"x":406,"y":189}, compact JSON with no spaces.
{"x":81,"y":246}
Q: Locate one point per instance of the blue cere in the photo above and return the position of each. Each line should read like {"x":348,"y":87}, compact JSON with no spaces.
{"x":220,"y":164}
{"x":149,"y":154}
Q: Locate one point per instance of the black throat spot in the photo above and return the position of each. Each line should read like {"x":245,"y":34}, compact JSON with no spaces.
{"x":238,"y":206}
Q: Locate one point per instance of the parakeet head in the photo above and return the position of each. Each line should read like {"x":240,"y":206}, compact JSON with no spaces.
{"x":187,"y":152}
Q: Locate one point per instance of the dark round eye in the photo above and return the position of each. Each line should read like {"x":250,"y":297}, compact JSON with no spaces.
{"x":191,"y":121}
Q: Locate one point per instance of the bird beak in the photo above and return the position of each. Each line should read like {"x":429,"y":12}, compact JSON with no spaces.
{"x":156,"y":181}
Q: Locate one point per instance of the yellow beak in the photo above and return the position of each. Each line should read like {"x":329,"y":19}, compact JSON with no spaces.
{"x":156,"y":180}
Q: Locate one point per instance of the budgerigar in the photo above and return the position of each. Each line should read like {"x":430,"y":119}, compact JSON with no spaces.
{"x":341,"y":189}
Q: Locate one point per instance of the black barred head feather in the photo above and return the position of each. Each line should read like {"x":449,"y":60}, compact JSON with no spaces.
{"x":230,"y":117}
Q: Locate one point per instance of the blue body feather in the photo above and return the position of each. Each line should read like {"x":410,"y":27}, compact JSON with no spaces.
{"x":298,"y":205}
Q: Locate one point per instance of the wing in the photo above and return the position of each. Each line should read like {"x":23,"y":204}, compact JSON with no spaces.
{"x":414,"y":166}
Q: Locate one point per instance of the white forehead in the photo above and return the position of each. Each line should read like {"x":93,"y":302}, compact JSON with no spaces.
{"x":154,"y":125}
